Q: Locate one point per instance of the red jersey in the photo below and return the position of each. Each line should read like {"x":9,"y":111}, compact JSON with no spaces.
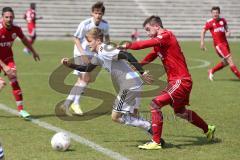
{"x":7,"y":38}
{"x":217,"y":29}
{"x":30,"y":16}
{"x":166,"y":47}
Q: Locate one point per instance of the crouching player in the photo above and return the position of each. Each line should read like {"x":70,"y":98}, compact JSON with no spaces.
{"x":128,"y":81}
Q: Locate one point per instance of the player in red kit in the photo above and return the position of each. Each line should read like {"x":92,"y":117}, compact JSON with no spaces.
{"x":166,"y":47}
{"x":8,"y":33}
{"x":219,"y":30}
{"x":30,"y":17}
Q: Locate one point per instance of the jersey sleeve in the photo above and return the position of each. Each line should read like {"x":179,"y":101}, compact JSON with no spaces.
{"x":159,"y":40}
{"x":19,"y":33}
{"x":80,"y":33}
{"x":149,"y":57}
{"x":106,"y":31}
{"x":206,"y":26}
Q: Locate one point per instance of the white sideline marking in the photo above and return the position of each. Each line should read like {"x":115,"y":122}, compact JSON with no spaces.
{"x":204,"y":63}
{"x":75,"y":137}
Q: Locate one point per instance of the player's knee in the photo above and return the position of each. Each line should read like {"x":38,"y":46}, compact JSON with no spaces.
{"x":155,"y":104}
{"x":13,"y":75}
{"x":116,"y":117}
{"x":180,"y":111}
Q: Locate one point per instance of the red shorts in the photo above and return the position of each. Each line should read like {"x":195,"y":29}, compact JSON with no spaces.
{"x":10,"y":64}
{"x":176,"y":94}
{"x":223,"y":50}
{"x":31,"y":30}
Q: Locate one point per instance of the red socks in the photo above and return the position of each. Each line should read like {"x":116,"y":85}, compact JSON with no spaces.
{"x":157,"y":124}
{"x":17,"y":93}
{"x":219,"y":66}
{"x":193,"y":118}
{"x":235,"y":71}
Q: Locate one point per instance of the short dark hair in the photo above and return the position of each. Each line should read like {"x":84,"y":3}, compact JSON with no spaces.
{"x":98,"y":5}
{"x":7,"y":9}
{"x":215,"y":8}
{"x":32,"y":5}
{"x":153,"y":20}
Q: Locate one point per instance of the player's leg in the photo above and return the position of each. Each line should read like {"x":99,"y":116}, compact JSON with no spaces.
{"x":196,"y":120}
{"x":157,"y":121}
{"x":216,"y":68}
{"x":224,"y":51}
{"x":125,"y":110}
{"x":232,"y":66}
{"x":16,"y":90}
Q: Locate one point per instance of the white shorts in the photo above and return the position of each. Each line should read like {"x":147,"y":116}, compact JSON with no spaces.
{"x":128,"y":100}
{"x":77,"y":55}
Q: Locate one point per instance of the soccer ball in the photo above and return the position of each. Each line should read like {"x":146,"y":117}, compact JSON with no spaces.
{"x":60,"y":141}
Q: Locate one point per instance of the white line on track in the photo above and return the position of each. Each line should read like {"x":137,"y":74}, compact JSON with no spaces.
{"x":75,"y":137}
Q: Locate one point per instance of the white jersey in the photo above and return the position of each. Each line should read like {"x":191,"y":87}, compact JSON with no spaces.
{"x":120,"y":70}
{"x":83,"y":28}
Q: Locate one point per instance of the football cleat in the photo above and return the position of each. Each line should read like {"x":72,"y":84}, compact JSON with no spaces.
{"x":76,"y":109}
{"x":65,"y":110}
{"x":150,"y":146}
{"x":210,"y":132}
{"x":25,"y":115}
{"x":210,"y":75}
{"x":27,"y":51}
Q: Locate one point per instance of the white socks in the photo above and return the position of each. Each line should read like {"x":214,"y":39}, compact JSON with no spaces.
{"x":135,"y":121}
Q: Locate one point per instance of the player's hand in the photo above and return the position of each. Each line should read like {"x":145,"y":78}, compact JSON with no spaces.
{"x":203,"y":47}
{"x":147,"y":77}
{"x":122,"y":47}
{"x":65,"y":61}
{"x":36,"y":57}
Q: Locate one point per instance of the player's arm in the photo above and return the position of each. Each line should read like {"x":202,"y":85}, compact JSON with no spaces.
{"x":142,"y":44}
{"x":202,"y":43}
{"x":149,"y":58}
{"x":29,"y":46}
{"x":87,"y":68}
{"x":228,"y":32}
{"x":130,"y":58}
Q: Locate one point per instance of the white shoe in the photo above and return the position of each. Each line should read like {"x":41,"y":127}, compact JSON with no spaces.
{"x":76,"y":109}
{"x":210,"y":75}
{"x":27,"y":51}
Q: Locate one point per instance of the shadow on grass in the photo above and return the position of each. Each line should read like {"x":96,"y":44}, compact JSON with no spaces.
{"x":227,"y":79}
{"x":192,"y":141}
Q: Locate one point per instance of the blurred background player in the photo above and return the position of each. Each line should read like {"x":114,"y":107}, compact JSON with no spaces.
{"x":177,"y":93}
{"x":31,"y":17}
{"x":219,"y":30}
{"x":82,"y":52}
{"x":8,"y":33}
{"x":129,"y":81}
{"x":135,"y":35}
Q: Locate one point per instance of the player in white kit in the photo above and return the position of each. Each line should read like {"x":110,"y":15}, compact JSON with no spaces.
{"x":82,"y":53}
{"x":128,"y":80}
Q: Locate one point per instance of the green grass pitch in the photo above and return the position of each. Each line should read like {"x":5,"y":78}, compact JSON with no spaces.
{"x":217,"y":102}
